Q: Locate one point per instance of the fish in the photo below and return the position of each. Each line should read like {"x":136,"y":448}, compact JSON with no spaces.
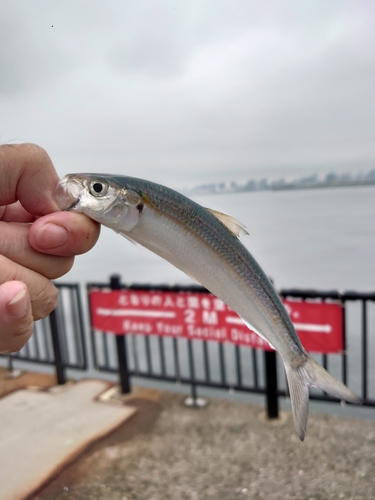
{"x":205,"y":245}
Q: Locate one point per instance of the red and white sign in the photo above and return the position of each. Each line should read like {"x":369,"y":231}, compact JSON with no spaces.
{"x":319,"y":325}
{"x":201,"y":315}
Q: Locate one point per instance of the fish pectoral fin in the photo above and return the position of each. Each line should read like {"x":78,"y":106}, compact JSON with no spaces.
{"x":126,"y":237}
{"x":233,"y":225}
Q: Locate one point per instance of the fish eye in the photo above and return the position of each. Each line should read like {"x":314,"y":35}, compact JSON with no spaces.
{"x":98,"y":188}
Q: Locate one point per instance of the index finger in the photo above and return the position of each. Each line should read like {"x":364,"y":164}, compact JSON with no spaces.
{"x":28,"y":175}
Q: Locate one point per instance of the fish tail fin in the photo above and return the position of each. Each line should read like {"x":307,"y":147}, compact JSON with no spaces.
{"x":311,"y":374}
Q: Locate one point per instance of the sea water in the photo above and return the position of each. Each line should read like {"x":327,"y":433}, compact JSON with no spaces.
{"x":316,"y":238}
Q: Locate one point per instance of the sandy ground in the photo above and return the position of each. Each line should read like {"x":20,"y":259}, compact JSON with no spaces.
{"x":225,"y":451}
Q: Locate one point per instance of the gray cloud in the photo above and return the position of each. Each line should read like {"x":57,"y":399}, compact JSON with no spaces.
{"x":189,"y":90}
{"x":157,"y":59}
{"x":29,"y":57}
{"x":15,"y":77}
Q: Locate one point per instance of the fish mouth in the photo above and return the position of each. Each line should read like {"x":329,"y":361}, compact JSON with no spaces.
{"x":67,"y":193}
{"x":72,"y":205}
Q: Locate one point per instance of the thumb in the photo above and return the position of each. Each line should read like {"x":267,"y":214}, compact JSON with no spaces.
{"x":16,"y":319}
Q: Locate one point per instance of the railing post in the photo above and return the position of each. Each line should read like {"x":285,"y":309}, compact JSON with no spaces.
{"x":12,"y":372}
{"x":115,"y":284}
{"x":272,"y":401}
{"x":364,"y":349}
{"x":59,"y":365}
{"x":122,"y":365}
{"x":193,"y":401}
{"x":344,"y":356}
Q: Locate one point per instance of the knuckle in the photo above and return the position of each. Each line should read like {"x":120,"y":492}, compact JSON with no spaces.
{"x":34,"y":152}
{"x":45,"y":301}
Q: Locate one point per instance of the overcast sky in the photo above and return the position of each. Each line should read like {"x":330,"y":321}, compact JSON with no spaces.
{"x":184,"y":92}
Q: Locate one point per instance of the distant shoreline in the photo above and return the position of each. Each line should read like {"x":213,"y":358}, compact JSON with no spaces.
{"x":320,"y":185}
{"x":281,"y":185}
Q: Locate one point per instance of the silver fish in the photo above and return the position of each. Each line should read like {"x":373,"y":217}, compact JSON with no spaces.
{"x":204,"y":244}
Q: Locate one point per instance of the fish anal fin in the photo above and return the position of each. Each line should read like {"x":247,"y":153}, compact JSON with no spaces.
{"x":257,"y":332}
{"x":232,"y":224}
{"x":126,"y":237}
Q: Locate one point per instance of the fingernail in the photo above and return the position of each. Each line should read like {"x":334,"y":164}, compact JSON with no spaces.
{"x":51,"y":236}
{"x":18,"y":306}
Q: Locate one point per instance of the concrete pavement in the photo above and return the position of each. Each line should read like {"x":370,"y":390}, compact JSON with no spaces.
{"x":42,"y":431}
{"x":226,"y":451}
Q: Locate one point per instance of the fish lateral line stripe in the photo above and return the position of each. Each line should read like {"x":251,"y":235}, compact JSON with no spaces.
{"x":211,"y":226}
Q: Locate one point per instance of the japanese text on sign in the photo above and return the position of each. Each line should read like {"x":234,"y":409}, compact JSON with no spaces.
{"x":201,"y":315}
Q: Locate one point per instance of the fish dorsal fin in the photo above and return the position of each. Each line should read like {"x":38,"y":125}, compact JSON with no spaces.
{"x":232,"y":224}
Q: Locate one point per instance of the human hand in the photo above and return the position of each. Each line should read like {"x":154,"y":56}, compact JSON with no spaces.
{"x":38,"y":242}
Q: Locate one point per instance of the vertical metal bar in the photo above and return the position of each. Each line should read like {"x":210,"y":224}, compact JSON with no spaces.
{"x":123,"y":364}
{"x":77,"y":338}
{"x":194,"y":394}
{"x":10,"y":363}
{"x":176,"y":360}
{"x":192,"y":371}
{"x":255,"y":367}
{"x":148,"y":355}
{"x":105,"y":350}
{"x":222,"y":363}
{"x":81,"y":328}
{"x":59,"y":365}
{"x":162,"y":355}
{"x":93,"y":345}
{"x":115,"y":284}
{"x":207,"y":371}
{"x":135,"y":353}
{"x":325,"y":366}
{"x":364,"y":349}
{"x":46,"y":343}
{"x":94,"y":335}
{"x":344,"y":356}
{"x":191,"y":360}
{"x":62,"y":338}
{"x":325,"y":361}
{"x":272,"y":402}
{"x":238,"y":365}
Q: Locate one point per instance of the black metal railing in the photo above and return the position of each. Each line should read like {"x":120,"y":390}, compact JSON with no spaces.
{"x":58,"y":340}
{"x":232,"y":367}
{"x":184,"y":361}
